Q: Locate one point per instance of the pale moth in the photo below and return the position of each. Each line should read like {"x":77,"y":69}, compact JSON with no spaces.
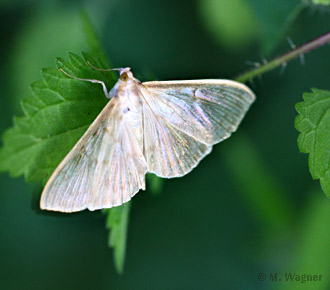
{"x":161,"y":127}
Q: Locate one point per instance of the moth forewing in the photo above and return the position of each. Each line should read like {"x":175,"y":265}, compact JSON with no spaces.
{"x":55,"y":196}
{"x":163,"y":127}
{"x":97,"y":173}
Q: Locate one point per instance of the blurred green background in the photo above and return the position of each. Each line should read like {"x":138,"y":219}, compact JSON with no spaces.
{"x":250,"y":207}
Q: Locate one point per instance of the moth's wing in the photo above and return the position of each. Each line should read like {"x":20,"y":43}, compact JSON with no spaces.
{"x":104,"y":169}
{"x":183,"y":119}
{"x":208,"y":110}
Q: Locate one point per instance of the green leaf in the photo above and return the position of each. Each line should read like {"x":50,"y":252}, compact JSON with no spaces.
{"x":56,"y":115}
{"x":313,"y":122}
{"x":117,"y":223}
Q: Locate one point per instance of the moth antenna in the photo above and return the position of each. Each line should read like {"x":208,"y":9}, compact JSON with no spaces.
{"x":88,"y":80}
{"x":102,"y":69}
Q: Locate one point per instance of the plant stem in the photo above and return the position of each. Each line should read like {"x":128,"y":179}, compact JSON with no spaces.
{"x":284,"y":58}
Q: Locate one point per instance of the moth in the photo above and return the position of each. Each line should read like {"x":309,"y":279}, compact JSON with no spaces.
{"x":159,"y":127}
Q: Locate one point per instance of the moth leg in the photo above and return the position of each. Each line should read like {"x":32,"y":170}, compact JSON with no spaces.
{"x":89,"y":80}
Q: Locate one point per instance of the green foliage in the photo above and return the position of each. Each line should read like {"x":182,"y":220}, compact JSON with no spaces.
{"x":313,"y":122}
{"x":61,"y":109}
{"x":117,"y":223}
{"x":56,"y":115}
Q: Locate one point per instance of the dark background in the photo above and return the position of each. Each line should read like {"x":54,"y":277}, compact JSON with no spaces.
{"x":250,"y":207}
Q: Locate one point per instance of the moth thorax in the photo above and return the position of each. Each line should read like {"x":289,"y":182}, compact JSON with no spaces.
{"x":125,"y":74}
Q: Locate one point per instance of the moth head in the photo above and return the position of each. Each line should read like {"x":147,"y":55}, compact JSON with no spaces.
{"x":125,"y":74}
